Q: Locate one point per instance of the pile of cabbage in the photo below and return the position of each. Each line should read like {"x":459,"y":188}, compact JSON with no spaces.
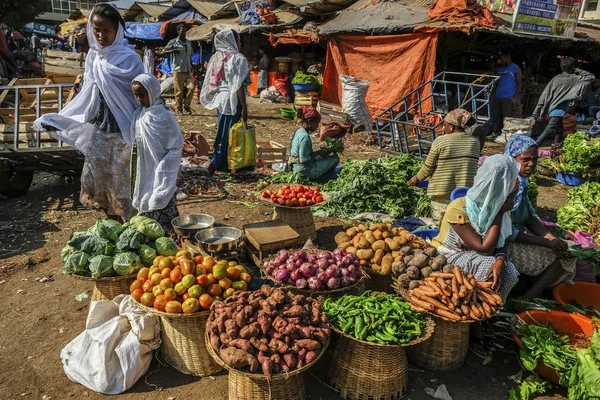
{"x":317,"y":272}
{"x":111,"y":249}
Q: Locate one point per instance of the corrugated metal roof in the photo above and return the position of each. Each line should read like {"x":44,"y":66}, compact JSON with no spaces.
{"x":320,"y":6}
{"x":384,"y":17}
{"x":152,"y":10}
{"x":214,"y":9}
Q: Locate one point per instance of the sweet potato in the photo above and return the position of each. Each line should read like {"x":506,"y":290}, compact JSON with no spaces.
{"x":308,"y":344}
{"x":295,"y":311}
{"x":249,"y":331}
{"x":310,"y":357}
{"x":320,"y":336}
{"x":214,"y":341}
{"x":231,"y":328}
{"x":260,"y":346}
{"x":242,"y":344}
{"x":290,"y":360}
{"x":238,"y":359}
{"x":304,"y":332}
{"x":341,"y":237}
{"x":267,"y":368}
{"x":277,"y":346}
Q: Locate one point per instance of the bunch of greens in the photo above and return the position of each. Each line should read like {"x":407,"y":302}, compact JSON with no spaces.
{"x":376,"y":185}
{"x":584,"y":379}
{"x":519,"y":305}
{"x":532,"y":190}
{"x":527,"y":387}
{"x":591,"y":256}
{"x":334,"y":145}
{"x":543,"y":343}
{"x":582,"y":211}
{"x":301,"y":78}
{"x":579,"y":154}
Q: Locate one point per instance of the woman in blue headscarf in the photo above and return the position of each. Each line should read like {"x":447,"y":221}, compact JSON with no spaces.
{"x":536,"y":252}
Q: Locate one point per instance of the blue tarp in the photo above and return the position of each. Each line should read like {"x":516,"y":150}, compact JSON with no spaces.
{"x":165,"y":66}
{"x":143,"y":30}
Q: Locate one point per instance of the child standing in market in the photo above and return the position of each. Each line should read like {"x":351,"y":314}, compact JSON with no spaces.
{"x":156,"y":155}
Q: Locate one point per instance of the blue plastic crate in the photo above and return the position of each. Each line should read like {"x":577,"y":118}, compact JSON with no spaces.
{"x":458,"y":193}
{"x":570,"y":178}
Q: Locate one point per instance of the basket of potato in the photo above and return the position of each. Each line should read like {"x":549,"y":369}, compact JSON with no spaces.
{"x":379,"y":248}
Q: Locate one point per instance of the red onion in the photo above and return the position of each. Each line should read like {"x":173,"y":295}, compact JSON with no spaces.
{"x":344,"y":271}
{"x":319,"y":273}
{"x":332,"y":261}
{"x":352,"y":277}
{"x":282,"y":275}
{"x":345,"y":281}
{"x":314,"y":283}
{"x":358,"y":272}
{"x":322,"y":263}
{"x":270,"y":269}
{"x":338,"y":258}
{"x":295,"y":275}
{"x":307,"y":270}
{"x":339,"y":252}
{"x":331,"y":272}
{"x":276,"y":263}
{"x":333,"y":283}
{"x":312,"y":259}
{"x":284,"y":254}
{"x":299,"y":262}
{"x":298,"y":255}
{"x":301,"y":283}
{"x":347,"y":260}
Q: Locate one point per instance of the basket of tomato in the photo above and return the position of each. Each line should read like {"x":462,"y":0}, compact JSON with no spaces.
{"x":179,"y":290}
{"x":293,"y":196}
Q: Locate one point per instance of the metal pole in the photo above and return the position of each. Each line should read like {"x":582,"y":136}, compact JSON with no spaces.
{"x":60,"y":106}
{"x":17,"y":110}
{"x":38,"y":110}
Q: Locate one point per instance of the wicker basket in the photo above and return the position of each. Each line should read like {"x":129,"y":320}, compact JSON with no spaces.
{"x":255,"y":386}
{"x":110,"y":287}
{"x":378,"y":282}
{"x":299,"y":219}
{"x":183,"y":345}
{"x":447,"y":348}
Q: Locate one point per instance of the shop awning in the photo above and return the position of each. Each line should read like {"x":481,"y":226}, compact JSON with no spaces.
{"x":143,"y":30}
{"x":293,"y":36}
{"x":66,"y":27}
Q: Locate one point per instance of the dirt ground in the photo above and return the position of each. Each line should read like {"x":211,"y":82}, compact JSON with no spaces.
{"x":40,"y":318}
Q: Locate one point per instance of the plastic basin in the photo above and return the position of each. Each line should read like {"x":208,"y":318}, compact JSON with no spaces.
{"x":426,"y":233}
{"x":564,"y":323}
{"x":288,"y":112}
{"x":458,"y":193}
{"x":585,"y":293}
{"x":423,"y":184}
{"x":305,"y":87}
{"x":569,"y":178}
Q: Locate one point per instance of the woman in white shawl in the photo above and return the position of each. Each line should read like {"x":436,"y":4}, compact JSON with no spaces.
{"x":156,"y":156}
{"x":224,"y":90}
{"x":97,"y":122}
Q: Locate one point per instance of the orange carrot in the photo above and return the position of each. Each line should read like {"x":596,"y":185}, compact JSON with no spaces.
{"x":458,"y":274}
{"x":447,"y":314}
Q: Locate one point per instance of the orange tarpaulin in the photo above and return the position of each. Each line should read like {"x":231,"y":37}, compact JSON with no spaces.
{"x":462,"y":11}
{"x":393,"y":65}
{"x":294,"y":37}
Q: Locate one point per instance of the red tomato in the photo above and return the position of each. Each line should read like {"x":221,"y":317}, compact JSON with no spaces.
{"x":265,"y":194}
{"x":198,"y":259}
{"x":302,"y":202}
{"x":202,"y":280}
{"x":284,"y":187}
{"x":287,"y":191}
{"x":309,"y":202}
{"x":288,"y":203}
{"x":295,"y":203}
{"x":319,"y":199}
{"x":137,"y":294}
{"x":317,"y":190}
{"x":185,"y":297}
{"x":300,"y":189}
{"x":160,"y":303}
{"x":314,"y":199}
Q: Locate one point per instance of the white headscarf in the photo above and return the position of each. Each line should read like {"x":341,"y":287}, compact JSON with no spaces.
{"x":225,"y":74}
{"x":494,"y":181}
{"x":108,"y":70}
{"x":159,"y":146}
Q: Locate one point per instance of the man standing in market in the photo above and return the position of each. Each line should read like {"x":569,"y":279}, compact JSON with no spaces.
{"x":180,"y":50}
{"x":564,"y":90}
{"x":508,"y":91}
{"x":263,"y":75}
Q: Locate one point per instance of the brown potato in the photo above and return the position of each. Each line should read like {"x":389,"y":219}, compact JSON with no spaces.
{"x":377,"y":235}
{"x":370,"y":236}
{"x":356,"y":239}
{"x":351,"y":249}
{"x":386,"y":264}
{"x":378,"y":257}
{"x":344,"y":245}
{"x":341,"y":237}
{"x":386,"y":235}
{"x":351,"y":232}
{"x":395,"y":231}
{"x":379,"y":245}
{"x":392,"y":244}
{"x":376,"y":267}
{"x":363,"y":243}
{"x":375,"y":227}
{"x":402,"y":241}
{"x":364,"y":254}
{"x":363,"y":227}
{"x":395,"y":253}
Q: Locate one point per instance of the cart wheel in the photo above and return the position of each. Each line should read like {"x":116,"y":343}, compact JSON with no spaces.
{"x":14,"y":183}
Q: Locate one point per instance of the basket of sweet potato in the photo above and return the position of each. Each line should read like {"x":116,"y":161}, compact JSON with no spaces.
{"x":266,"y":339}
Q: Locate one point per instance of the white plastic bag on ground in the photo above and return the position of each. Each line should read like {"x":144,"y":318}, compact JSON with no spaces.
{"x":515,"y":126}
{"x":354,"y":93}
{"x":115,"y":349}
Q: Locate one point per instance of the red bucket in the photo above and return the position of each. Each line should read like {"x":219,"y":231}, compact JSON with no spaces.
{"x":585,"y":293}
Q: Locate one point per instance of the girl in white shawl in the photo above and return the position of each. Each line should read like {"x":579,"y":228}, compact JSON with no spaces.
{"x":157,"y":148}
{"x":224,"y":90}
{"x":97,"y":122}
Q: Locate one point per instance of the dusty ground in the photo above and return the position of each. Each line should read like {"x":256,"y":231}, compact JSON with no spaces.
{"x":39,"y":319}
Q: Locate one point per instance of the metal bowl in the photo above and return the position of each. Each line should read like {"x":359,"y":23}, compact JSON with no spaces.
{"x":219,"y":239}
{"x":188,"y":225}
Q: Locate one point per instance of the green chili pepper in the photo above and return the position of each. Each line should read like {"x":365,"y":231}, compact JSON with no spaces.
{"x":346,"y":328}
{"x":358,"y":321}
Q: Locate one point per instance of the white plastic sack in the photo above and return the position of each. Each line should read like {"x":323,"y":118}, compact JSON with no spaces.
{"x":354,"y":93}
{"x":115,"y":349}
{"x":515,"y":126}
{"x":167,"y":86}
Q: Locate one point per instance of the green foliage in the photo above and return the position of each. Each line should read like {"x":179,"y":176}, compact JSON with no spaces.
{"x":16,"y":13}
{"x":335,"y":145}
{"x":528,"y":387}
{"x":579,"y":154}
{"x":101,"y":266}
{"x":130,"y":239}
{"x":165,"y":246}
{"x":582,"y":211}
{"x":301,"y":78}
{"x":532,"y":190}
{"x":126,"y":263}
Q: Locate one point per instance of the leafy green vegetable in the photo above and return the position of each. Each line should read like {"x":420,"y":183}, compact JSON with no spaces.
{"x":108,"y":229}
{"x":532,"y":190}
{"x":584,"y":380}
{"x":165,"y":246}
{"x":335,"y":145}
{"x":582,"y":211}
{"x":126,"y":263}
{"x":93,"y":245}
{"x":66,"y":252}
{"x":147,"y":255}
{"x":101,"y":266}
{"x":77,"y":263}
{"x":519,"y":305}
{"x":528,"y":387}
{"x":591,"y":256}
{"x":376,"y":185}
{"x":301,"y":78}
{"x":579,"y":154}
{"x":130,"y":239}
{"x":149,"y":227}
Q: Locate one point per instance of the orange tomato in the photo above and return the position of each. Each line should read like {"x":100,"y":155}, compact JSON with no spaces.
{"x":211,"y":279}
{"x":157,"y":260}
{"x":184,"y":253}
{"x":142,"y":274}
{"x":173,"y":307}
{"x":184,"y":297}
{"x":205,"y":301}
{"x":215,"y":290}
{"x":198,"y":259}
{"x":180,"y":289}
{"x":137,"y":284}
{"x":199,"y":270}
{"x":240,"y":267}
{"x":233,"y":273}
{"x":169,"y":294}
{"x":240,"y":286}
{"x":228,"y":292}
{"x":190,"y":305}
{"x":166,"y":283}
{"x":147,"y":287}
{"x":172,"y":258}
{"x":166,"y":272}
{"x":176,"y":262}
{"x":187,"y":267}
{"x":188,"y":280}
{"x":208,"y":263}
{"x":225,"y":283}
{"x":176,"y":275}
{"x":202,"y":280}
{"x":245,"y":277}
{"x":195,"y":291}
{"x":147,"y":299}
{"x":157,"y":291}
{"x":153,"y":270}
{"x":160,"y":303}
{"x":137,"y":294}
{"x":165,"y":263}
{"x":156,"y":278}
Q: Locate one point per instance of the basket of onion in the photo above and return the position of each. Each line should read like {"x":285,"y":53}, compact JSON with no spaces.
{"x":315,"y":272}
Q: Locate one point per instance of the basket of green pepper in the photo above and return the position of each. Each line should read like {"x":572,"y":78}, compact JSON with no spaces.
{"x":369,"y":358}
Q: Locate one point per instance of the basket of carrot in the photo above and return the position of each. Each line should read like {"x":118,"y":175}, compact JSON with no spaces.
{"x":454,"y":300}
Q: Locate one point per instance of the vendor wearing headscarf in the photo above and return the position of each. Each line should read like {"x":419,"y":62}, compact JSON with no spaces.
{"x":224,"y":90}
{"x":536,"y":252}
{"x":475,"y":227}
{"x":97,"y":122}
{"x":451,"y":162}
{"x":312,"y":165}
{"x":156,"y":153}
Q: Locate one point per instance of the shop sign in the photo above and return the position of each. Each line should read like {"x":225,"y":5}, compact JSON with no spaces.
{"x":555,"y":18}
{"x":243,"y":6}
{"x":43,"y":29}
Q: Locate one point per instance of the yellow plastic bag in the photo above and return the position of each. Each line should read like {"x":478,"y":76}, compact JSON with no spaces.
{"x":242,"y":147}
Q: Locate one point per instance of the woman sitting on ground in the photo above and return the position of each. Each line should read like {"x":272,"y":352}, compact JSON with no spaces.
{"x":451,"y":162}
{"x":475,"y":227}
{"x":156,"y":155}
{"x":314,"y":166}
{"x":537,"y":252}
